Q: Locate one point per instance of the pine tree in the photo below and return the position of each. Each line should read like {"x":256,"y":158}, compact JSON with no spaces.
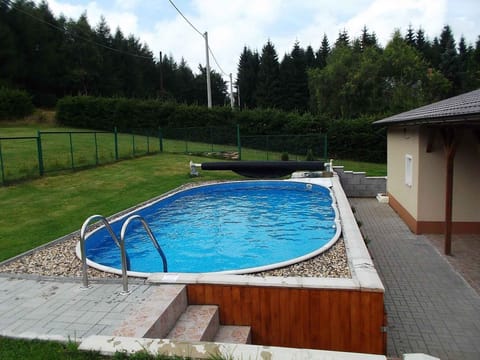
{"x":410,"y":36}
{"x":343,"y":39}
{"x":421,"y":43}
{"x":268,"y":88}
{"x":323,"y":52}
{"x":310,"y":57}
{"x":247,"y":78}
{"x":449,"y":62}
{"x":294,"y":80}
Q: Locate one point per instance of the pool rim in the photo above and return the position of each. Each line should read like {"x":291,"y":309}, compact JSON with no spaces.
{"x":127,"y":213}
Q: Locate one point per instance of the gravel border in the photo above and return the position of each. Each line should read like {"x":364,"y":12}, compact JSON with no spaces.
{"x":59,"y":259}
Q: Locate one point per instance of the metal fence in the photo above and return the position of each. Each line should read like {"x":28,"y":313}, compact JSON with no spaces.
{"x":29,"y":157}
{"x":33,"y":156}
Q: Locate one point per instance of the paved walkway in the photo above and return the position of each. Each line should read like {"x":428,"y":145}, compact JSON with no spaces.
{"x":430,"y":307}
{"x":62,"y":309}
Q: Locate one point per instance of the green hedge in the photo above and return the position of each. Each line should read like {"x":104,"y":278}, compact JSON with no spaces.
{"x":347,"y":139}
{"x":14,"y":104}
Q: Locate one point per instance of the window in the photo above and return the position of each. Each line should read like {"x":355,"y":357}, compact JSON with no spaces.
{"x":408,"y":170}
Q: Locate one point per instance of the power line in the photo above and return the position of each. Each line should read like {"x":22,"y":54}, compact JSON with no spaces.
{"x":185,"y":18}
{"x":200,"y":33}
{"x":216,"y":62}
{"x":12,"y":5}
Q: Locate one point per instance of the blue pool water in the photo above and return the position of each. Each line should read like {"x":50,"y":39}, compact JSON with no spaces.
{"x":224,"y":227}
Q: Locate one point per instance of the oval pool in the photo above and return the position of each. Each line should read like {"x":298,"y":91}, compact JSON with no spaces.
{"x":234,"y":227}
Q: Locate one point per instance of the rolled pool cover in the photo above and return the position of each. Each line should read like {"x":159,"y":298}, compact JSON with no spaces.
{"x":265,"y":169}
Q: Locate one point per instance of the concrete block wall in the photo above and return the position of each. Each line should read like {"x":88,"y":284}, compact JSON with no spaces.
{"x":357,"y":184}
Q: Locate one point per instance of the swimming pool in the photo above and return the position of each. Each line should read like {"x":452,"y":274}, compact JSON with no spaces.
{"x":234,"y":227}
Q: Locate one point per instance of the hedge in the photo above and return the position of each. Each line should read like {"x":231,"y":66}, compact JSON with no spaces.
{"x":353,"y":139}
{"x":14,"y":104}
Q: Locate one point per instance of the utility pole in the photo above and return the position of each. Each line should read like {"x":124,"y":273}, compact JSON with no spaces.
{"x":231,"y":91}
{"x":209,"y":88}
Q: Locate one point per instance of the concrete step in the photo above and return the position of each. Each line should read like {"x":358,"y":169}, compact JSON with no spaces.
{"x":197,"y":323}
{"x":155,"y":317}
{"x":233,"y":334}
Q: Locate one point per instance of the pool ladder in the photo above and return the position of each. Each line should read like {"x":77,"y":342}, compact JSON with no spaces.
{"x":120,"y":243}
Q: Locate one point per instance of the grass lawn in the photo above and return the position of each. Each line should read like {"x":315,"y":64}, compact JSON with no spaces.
{"x":15,"y":349}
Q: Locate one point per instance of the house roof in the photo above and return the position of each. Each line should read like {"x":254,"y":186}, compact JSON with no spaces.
{"x":463,"y":108}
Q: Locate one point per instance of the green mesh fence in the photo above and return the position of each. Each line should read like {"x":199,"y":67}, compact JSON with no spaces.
{"x":28,"y":157}
{"x":277,"y":147}
{"x":18,"y":158}
{"x":210,"y":141}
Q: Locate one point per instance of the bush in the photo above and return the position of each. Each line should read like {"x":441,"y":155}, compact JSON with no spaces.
{"x":14,"y":104}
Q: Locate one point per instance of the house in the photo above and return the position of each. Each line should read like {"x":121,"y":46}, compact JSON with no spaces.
{"x":433,"y":166}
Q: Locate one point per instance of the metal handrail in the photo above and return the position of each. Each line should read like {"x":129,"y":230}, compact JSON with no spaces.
{"x":83,"y":238}
{"x":152,"y":238}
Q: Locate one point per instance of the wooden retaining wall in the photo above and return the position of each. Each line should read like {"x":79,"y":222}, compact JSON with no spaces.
{"x":328,"y":319}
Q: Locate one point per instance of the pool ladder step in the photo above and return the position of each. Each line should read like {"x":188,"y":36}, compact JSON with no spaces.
{"x":167,"y":315}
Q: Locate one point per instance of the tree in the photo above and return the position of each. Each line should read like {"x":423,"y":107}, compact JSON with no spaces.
{"x":268,"y":86}
{"x":421,"y":44}
{"x":368,"y":39}
{"x":405,"y":75}
{"x":294,"y":80}
{"x":309,"y":57}
{"x":323,"y":52}
{"x":343,"y":39}
{"x":247,"y":78}
{"x":410,"y":36}
{"x":218,"y":86}
{"x":449,"y":62}
{"x":331,"y":87}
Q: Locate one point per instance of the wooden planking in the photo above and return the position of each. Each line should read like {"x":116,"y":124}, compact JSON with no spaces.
{"x":330,"y":319}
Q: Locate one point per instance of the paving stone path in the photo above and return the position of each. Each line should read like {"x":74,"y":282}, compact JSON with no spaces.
{"x":431,"y":308}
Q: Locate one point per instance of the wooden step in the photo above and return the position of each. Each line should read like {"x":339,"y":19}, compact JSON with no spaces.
{"x":234,"y":334}
{"x":197,"y":323}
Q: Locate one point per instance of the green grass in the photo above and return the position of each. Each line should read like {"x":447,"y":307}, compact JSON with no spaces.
{"x":372,"y":169}
{"x":14,"y":349}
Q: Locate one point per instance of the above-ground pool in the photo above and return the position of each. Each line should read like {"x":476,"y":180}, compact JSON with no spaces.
{"x":234,"y":227}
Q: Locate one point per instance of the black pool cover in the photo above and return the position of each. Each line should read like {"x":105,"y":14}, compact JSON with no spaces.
{"x":264,"y":169}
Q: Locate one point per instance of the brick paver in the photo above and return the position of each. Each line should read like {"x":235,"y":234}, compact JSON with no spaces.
{"x":430,"y":307}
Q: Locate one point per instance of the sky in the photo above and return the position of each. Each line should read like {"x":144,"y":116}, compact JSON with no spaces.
{"x":233,"y":24}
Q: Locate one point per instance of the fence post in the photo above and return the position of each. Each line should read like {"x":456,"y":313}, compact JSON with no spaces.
{"x":239,"y":145}
{"x":133,"y":144}
{"x":148,"y":143}
{"x":115,"y":137}
{"x":96,"y":148}
{"x":160,"y":139}
{"x":41,"y":169}
{"x":1,"y":164}
{"x":71,"y":151}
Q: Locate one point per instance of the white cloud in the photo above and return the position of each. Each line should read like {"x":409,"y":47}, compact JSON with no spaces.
{"x":384,"y":17}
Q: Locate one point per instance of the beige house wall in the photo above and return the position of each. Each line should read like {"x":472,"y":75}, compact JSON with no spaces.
{"x":422,"y":205}
{"x":466,"y":179}
{"x":402,"y":142}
